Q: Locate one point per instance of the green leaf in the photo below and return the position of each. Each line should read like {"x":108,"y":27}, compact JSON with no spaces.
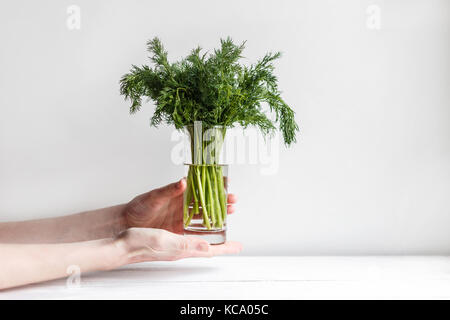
{"x":213,"y":88}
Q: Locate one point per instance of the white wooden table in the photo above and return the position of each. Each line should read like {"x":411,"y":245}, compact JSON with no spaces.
{"x":239,"y":277}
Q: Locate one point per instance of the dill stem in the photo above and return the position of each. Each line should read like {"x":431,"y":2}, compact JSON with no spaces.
{"x":222,"y":194}
{"x":216,"y":201}
{"x":187,"y":198}
{"x":201,"y":193}
{"x":210,"y":202}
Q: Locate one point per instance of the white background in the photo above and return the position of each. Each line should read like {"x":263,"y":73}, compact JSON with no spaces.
{"x":370,"y":173}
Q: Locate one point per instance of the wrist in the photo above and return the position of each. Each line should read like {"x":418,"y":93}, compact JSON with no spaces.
{"x":121,"y":250}
{"x":115,"y":253}
{"x":121,"y":220}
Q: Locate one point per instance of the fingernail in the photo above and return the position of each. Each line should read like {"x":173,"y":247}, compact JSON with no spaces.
{"x":203,"y":246}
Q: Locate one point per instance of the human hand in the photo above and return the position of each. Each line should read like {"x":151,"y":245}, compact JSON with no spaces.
{"x":30,"y":263}
{"x":162,"y":208}
{"x":147,"y":244}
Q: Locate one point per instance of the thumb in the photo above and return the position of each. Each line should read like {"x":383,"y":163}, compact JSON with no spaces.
{"x":171,"y":190}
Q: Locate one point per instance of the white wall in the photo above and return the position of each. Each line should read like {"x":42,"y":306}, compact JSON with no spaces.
{"x":370,"y":173}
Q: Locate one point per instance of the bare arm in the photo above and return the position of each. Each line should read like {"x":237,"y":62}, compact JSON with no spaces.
{"x":90,"y":225}
{"x":160,"y":208}
{"x":29,"y":263}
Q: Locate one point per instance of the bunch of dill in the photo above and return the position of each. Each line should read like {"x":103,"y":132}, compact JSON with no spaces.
{"x":213,"y":88}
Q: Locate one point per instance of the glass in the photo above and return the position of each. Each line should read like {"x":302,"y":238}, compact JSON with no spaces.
{"x":205,"y":202}
{"x":205,"y":199}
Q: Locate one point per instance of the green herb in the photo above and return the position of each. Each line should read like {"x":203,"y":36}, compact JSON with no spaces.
{"x":215,"y":89}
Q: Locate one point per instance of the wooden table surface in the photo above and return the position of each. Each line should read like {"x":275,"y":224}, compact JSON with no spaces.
{"x":240,"y":277}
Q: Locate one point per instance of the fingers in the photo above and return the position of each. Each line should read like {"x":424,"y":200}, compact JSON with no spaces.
{"x":171,"y":190}
{"x":171,"y":246}
{"x":147,"y":244}
{"x":231,"y":200}
{"x":203,"y":249}
{"x":189,"y":244}
{"x":229,"y":247}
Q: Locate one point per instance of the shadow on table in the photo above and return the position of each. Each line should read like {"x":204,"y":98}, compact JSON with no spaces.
{"x":139,"y":274}
{"x":150,"y":273}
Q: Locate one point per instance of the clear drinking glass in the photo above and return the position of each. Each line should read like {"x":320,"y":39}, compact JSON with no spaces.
{"x":205,"y":202}
{"x":205,"y":198}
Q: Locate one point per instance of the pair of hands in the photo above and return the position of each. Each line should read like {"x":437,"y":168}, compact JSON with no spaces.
{"x":154,"y":222}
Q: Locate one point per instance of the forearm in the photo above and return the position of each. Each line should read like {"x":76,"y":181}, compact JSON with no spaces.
{"x":90,"y":225}
{"x":22,"y":264}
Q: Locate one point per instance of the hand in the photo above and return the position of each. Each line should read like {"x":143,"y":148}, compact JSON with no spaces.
{"x":146,"y":244}
{"x":162,"y":208}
